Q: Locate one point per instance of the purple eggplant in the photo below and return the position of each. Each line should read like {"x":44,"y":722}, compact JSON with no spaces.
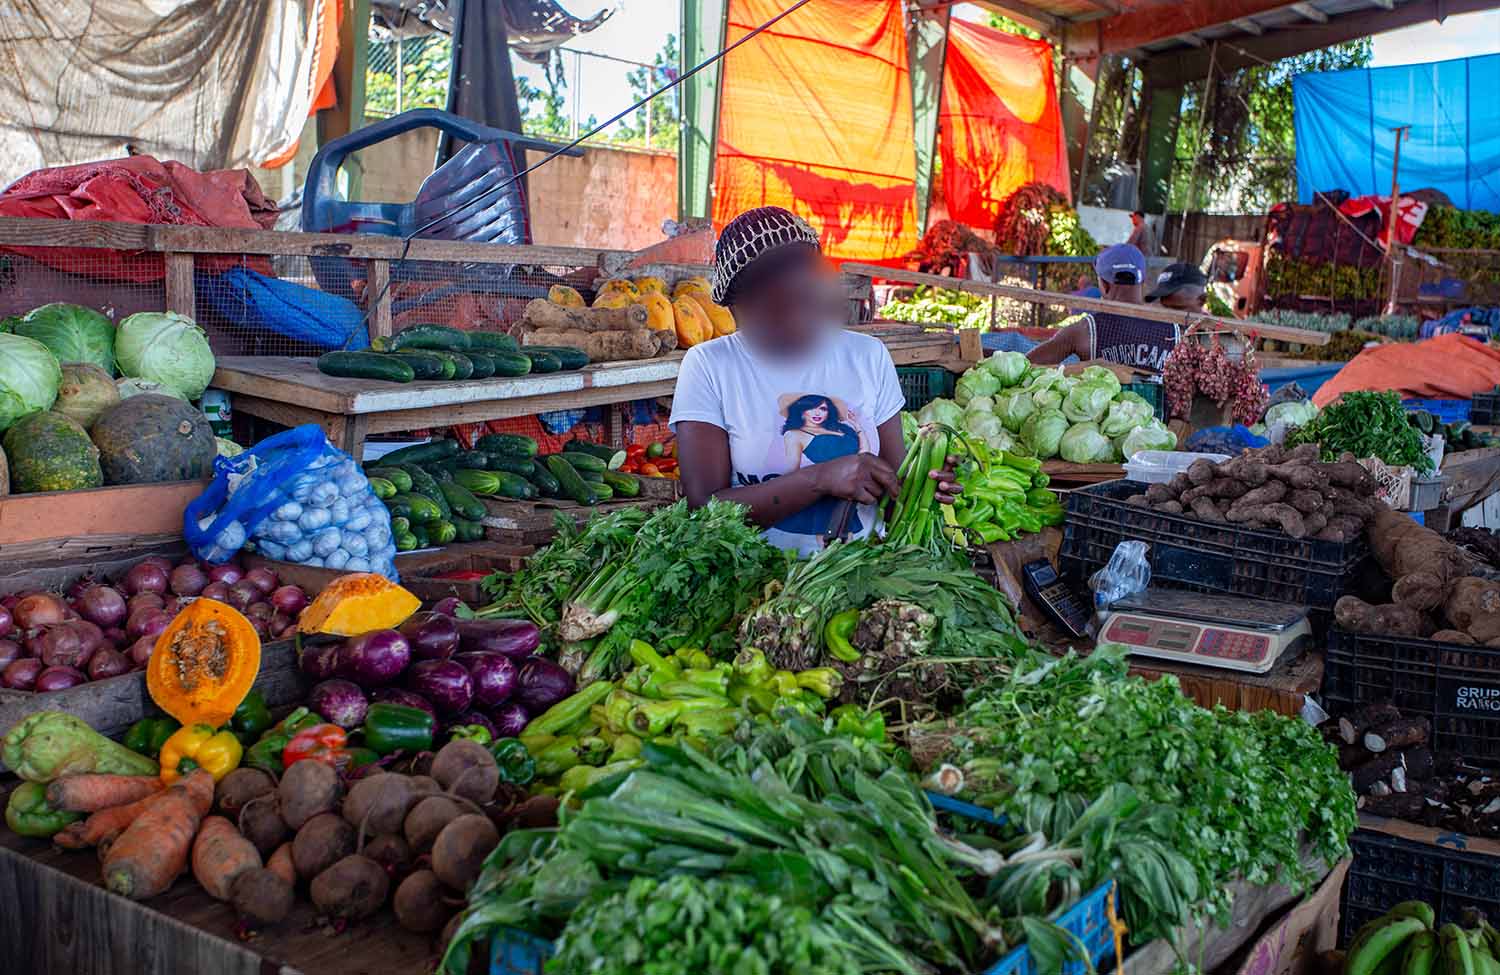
{"x":339,"y":701}
{"x":493,"y":674}
{"x":446,"y":684}
{"x":319,"y":661}
{"x":541,"y":684}
{"x":510,"y":719}
{"x":517,"y":639}
{"x":432,"y":636}
{"x":449,"y":606}
{"x":374,"y":658}
{"x":397,"y":695}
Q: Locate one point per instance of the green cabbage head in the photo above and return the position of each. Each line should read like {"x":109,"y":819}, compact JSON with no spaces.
{"x":1014,"y":408}
{"x":980,"y":404}
{"x":1087,"y":402}
{"x":1042,"y":432}
{"x":982,"y":425}
{"x":1151,"y":436}
{"x":166,"y":348}
{"x":29,"y":378}
{"x":1103,"y":376}
{"x":1008,"y":367}
{"x":1047,"y":399}
{"x":976,"y":382}
{"x":1125,"y":415}
{"x":1292,"y":414}
{"x":943,"y":411}
{"x":73,"y":333}
{"x":1084,"y":444}
{"x":1039,"y":378}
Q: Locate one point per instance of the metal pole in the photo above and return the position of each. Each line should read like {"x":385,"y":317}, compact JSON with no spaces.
{"x":400,"y":72}
{"x":577,"y":94}
{"x":1390,"y":227}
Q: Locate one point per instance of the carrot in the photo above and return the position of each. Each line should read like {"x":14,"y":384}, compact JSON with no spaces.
{"x":200,"y":786}
{"x":102,"y":825}
{"x":281,"y":863}
{"x":154,"y":849}
{"x":221,"y":854}
{"x":92,"y":791}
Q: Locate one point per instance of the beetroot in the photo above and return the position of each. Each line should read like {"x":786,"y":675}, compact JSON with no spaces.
{"x":39,"y":609}
{"x":147,"y":576}
{"x":20,"y":675}
{"x":108,"y":663}
{"x":263,"y":579}
{"x":59,"y":679}
{"x":187,"y":579}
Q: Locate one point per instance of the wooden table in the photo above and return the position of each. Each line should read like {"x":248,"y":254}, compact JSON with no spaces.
{"x":1282,"y":689}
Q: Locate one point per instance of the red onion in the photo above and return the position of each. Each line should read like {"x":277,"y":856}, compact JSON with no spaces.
{"x":6,"y":623}
{"x":78,"y":586}
{"x":147,"y":576}
{"x":216,"y":590}
{"x":289,"y":600}
{"x":9,"y":600}
{"x":92,"y":634}
{"x":9,"y":650}
{"x":243,"y":593}
{"x":284,"y":632}
{"x":140,"y":650}
{"x":62,"y":646}
{"x":108,"y":663}
{"x":59,"y":679}
{"x":102,"y":605}
{"x":263,"y":579}
{"x":146,"y":622}
{"x":20,"y":675}
{"x":117,"y":637}
{"x":260,"y":611}
{"x":188,"y":580}
{"x":143,"y":600}
{"x":39,"y":609}
{"x":228,"y":573}
{"x":449,"y":606}
{"x":166,"y":564}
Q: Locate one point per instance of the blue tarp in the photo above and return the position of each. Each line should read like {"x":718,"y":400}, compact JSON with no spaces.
{"x":1344,"y":121}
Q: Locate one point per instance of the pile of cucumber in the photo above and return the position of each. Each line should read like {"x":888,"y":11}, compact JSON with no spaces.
{"x":433,"y":489}
{"x":437,"y":352}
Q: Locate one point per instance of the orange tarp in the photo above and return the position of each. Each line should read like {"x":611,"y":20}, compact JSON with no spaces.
{"x":816,"y":116}
{"x":1447,"y":367}
{"x":999,"y":124}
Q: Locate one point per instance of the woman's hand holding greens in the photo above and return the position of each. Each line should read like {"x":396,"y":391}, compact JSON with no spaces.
{"x":863,"y":478}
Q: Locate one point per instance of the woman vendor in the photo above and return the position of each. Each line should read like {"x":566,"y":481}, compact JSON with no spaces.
{"x":791,"y":413}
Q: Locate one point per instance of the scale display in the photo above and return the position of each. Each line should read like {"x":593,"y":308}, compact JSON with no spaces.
{"x":1212,"y":631}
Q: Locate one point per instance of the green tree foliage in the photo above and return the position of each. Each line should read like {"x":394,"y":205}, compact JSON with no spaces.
{"x":665,"y":109}
{"x":425,"y":65}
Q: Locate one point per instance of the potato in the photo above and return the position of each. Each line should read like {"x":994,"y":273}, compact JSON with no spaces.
{"x":307,"y":789}
{"x":261,"y":898}
{"x":427,"y":819}
{"x":419,"y":902}
{"x":237,"y":788}
{"x":459,"y":852}
{"x":321,"y":842}
{"x":379,"y":803}
{"x":352,"y":888}
{"x":260,"y":822}
{"x":466,"y":768}
{"x":280,"y":863}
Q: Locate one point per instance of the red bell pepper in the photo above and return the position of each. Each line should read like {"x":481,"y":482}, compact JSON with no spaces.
{"x":321,"y":743}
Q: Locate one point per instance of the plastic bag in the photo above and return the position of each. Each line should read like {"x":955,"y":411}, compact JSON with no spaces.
{"x":1127,"y":573}
{"x":296,"y":498}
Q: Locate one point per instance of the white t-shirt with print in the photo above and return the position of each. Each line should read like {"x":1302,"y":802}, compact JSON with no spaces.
{"x":782,"y":416}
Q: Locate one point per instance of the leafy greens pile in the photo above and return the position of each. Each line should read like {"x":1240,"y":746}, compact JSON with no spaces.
{"x":1237,"y":794}
{"x":1365,"y":424}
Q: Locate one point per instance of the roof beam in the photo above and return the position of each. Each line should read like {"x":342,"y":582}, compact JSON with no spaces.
{"x":1249,"y":26}
{"x":1192,"y":39}
{"x":1024,"y":13}
{"x":1308,"y":12}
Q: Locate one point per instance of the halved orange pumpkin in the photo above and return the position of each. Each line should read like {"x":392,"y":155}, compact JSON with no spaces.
{"x":204,"y":663}
{"x":358,"y":603}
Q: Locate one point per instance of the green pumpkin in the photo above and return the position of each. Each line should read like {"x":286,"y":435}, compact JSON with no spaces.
{"x":51,"y":452}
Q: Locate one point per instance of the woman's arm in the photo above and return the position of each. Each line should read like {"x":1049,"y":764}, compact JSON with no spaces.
{"x":1072,"y":340}
{"x":794,"y":442}
{"x":704,"y":462}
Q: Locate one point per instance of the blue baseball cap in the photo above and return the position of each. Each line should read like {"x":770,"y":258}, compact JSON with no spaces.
{"x":1121,"y":264}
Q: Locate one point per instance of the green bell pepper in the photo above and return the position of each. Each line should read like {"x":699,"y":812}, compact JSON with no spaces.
{"x":515,"y":763}
{"x":360,"y":757}
{"x":28,"y":814}
{"x":251,"y":719}
{"x":837,"y":633}
{"x":147,"y":735}
{"x":396,"y":727}
{"x":472,"y":732}
{"x":265,"y":754}
{"x":989,"y":534}
{"x":855,"y":722}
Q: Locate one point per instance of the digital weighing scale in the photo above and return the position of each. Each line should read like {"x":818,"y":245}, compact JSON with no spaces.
{"x":1212,"y":631}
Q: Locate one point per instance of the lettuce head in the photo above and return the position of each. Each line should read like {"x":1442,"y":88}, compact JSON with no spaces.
{"x":29,"y":378}
{"x":943,"y":411}
{"x":1008,"y":367}
{"x":1103,"y":376}
{"x":1086,"y":402}
{"x":1149,"y":436}
{"x":1047,"y":399}
{"x":980,"y":404}
{"x":1042,"y":432}
{"x":1125,"y":415}
{"x":976,"y":382}
{"x":1014,"y":409}
{"x":1084,"y":444}
{"x":166,"y":348}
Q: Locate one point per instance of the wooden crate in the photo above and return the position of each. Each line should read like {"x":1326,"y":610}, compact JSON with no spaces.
{"x":533,"y":522}
{"x":81,"y":523}
{"x":413,"y":568}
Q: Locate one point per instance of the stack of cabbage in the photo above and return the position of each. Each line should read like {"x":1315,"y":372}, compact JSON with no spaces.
{"x":1036,"y":412}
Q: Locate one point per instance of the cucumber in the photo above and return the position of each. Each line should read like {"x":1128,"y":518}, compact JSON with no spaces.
{"x":492,"y":342}
{"x":542,"y":361}
{"x":477,"y":482}
{"x":395,"y":475}
{"x":513,"y":465}
{"x":546,"y":484}
{"x":484,"y":366}
{"x":440,"y":471}
{"x":463,"y":366}
{"x":582,"y":461}
{"x":365,"y":365}
{"x":570,"y":357}
{"x":601,"y":493}
{"x":593,"y":477}
{"x":383,"y":489}
{"x":472,"y":460}
{"x":614,"y":459}
{"x":462,"y":501}
{"x":442,"y":532}
{"x":515,"y":486}
{"x":508,"y":444}
{"x":422,"y":453}
{"x":624,"y":485}
{"x":421,"y":510}
{"x":425,"y":485}
{"x":423,"y":366}
{"x":571,"y":485}
{"x":437,"y":337}
{"x":512,"y":364}
{"x":468,"y":531}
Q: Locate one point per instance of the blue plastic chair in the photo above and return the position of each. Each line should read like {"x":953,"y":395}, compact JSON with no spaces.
{"x":474,"y":196}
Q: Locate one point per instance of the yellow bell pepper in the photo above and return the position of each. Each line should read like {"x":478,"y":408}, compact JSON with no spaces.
{"x":198,"y":746}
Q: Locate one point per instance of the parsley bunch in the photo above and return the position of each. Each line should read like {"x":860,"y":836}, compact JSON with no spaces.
{"x":1365,"y":424}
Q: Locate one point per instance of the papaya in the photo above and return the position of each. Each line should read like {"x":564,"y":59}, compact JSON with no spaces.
{"x":648,"y":284}
{"x":51,"y":452}
{"x":561,"y":294}
{"x":623,"y":285}
{"x":152,"y":438}
{"x":658,"y":307}
{"x":719,"y":317}
{"x":693,"y":284}
{"x":613,"y":299}
{"x":693,"y":327}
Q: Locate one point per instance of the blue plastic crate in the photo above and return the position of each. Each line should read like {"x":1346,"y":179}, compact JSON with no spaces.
{"x":1446,"y":410}
{"x":1088,"y":920}
{"x":518,"y":953}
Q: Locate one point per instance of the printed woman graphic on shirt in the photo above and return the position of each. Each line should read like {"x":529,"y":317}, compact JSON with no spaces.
{"x":817,"y":428}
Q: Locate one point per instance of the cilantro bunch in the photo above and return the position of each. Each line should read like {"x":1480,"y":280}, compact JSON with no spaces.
{"x":1365,"y":424}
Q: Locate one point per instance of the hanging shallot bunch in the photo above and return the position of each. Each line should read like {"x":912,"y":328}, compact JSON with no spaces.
{"x":1194,"y":368}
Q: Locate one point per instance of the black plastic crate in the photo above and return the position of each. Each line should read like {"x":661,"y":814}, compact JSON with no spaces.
{"x":1204,"y":556}
{"x":1387,"y":870}
{"x":1484,"y":408}
{"x":923,"y":384}
{"x":1454,"y":685}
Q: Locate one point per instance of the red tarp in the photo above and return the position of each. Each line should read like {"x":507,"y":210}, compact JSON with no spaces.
{"x":999,"y":125}
{"x":815,"y":115}
{"x":1447,"y":367}
{"x":136,"y":189}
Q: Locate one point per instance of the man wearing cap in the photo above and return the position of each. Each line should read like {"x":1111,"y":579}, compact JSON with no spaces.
{"x":1181,"y":287}
{"x":1123,"y":339}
